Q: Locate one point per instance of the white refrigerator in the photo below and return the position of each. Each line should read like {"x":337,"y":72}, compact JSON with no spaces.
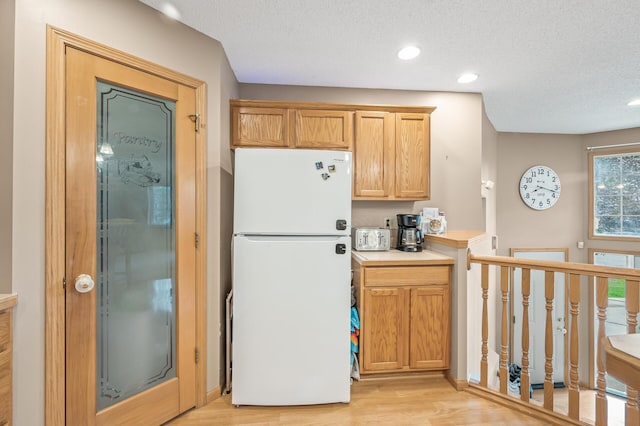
{"x":291,"y":277}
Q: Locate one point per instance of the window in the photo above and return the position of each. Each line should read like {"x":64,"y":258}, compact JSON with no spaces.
{"x":614,"y":180}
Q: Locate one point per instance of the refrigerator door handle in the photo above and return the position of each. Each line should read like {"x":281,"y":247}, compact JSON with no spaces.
{"x":341,"y":224}
{"x":341,"y":248}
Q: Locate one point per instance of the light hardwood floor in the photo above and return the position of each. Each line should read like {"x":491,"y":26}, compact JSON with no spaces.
{"x":409,"y":401}
{"x":615,"y":411}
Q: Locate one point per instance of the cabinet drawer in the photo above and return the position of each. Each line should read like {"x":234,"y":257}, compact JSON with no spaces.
{"x":5,"y":332}
{"x":406,"y":275}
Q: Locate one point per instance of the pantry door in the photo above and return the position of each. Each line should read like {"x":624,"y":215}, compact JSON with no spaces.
{"x":130,"y":250}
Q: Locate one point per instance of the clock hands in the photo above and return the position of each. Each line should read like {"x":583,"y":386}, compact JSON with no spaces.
{"x":546,"y":189}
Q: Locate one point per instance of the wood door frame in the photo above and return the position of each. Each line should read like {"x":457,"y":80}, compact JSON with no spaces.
{"x":55,"y":371}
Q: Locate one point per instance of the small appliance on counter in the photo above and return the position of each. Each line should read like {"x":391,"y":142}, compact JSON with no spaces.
{"x":409,"y":233}
{"x":370,"y":239}
{"x":433,"y":221}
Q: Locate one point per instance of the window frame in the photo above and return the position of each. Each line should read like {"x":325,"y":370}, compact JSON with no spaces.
{"x":591,"y":159}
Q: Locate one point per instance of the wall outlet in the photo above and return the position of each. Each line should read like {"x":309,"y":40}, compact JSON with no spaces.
{"x":390,"y":222}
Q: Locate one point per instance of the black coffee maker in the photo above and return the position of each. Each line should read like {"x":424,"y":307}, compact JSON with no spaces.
{"x":409,"y":233}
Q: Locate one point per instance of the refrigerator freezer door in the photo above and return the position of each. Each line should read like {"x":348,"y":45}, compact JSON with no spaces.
{"x":292,"y":192}
{"x":291,"y":314}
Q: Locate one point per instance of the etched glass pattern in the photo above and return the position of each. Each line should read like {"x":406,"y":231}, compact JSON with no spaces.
{"x":136,"y":279}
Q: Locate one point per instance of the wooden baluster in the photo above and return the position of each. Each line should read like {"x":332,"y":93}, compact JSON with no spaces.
{"x":485,"y":326}
{"x":504,"y":370}
{"x":574,"y":303}
{"x":525,"y":380}
{"x":602,"y":300}
{"x":632,"y":415}
{"x":548,"y":340}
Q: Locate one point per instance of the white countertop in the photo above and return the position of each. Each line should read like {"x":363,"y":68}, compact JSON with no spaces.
{"x":395,"y":257}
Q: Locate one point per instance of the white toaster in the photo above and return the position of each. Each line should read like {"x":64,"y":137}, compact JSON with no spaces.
{"x":370,"y":239}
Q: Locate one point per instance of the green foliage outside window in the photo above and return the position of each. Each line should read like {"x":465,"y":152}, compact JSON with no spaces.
{"x":617,"y":287}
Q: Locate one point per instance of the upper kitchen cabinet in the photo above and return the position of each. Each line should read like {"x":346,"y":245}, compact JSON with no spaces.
{"x":277,"y":124}
{"x":259,"y":127}
{"x":413,"y":146}
{"x":374,"y":157}
{"x":322,"y":129}
{"x":392,"y":154}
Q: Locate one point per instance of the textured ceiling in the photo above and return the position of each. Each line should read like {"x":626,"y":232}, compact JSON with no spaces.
{"x":545,"y":66}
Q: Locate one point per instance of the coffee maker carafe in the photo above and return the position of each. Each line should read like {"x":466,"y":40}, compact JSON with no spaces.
{"x":409,"y":233}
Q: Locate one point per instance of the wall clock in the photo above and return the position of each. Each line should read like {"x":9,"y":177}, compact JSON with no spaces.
{"x":540,"y":187}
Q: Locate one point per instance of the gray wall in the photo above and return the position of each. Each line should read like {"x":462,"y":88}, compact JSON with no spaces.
{"x":562,"y":225}
{"x":7,"y":22}
{"x":216,"y":314}
{"x":489,"y":172}
{"x":566,"y":223}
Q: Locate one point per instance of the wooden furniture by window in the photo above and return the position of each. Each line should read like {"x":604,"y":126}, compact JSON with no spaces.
{"x":6,"y":357}
{"x":622,"y":358}
{"x":404,"y":304}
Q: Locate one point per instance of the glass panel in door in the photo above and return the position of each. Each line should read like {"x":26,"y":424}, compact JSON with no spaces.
{"x":136,"y":334}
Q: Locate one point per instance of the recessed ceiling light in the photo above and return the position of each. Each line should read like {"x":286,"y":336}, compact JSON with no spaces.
{"x":635,"y":102}
{"x":467,"y":78}
{"x":408,"y":52}
{"x":170,"y":10}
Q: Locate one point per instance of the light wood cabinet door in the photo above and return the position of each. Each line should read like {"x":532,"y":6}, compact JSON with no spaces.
{"x":6,"y":375}
{"x":412,"y":156}
{"x":259,"y":127}
{"x":373,"y":155}
{"x":429,"y":325}
{"x":322,"y":129}
{"x":384,"y":328}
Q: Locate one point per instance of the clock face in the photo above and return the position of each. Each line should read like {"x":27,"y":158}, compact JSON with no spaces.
{"x":540,"y":187}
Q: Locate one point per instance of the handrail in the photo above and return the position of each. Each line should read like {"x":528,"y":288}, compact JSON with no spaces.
{"x":504,"y":267}
{"x":555,"y":266}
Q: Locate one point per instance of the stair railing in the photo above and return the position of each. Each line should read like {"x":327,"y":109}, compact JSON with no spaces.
{"x":577,"y":273}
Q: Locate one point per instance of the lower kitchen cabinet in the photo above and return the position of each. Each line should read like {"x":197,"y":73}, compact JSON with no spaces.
{"x":385,"y":327}
{"x":429,"y":335}
{"x":7,"y":302}
{"x":405,"y":318}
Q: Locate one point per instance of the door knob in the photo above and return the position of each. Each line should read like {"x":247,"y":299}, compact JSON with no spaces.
{"x":84,"y":283}
{"x":562,"y":330}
